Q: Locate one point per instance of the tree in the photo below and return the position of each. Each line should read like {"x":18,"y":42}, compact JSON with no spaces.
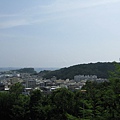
{"x":20,"y":108}
{"x":16,"y":89}
{"x":115,"y":86}
{"x":35,"y":104}
{"x":6,"y":103}
{"x":62,"y":102}
{"x":71,"y":117}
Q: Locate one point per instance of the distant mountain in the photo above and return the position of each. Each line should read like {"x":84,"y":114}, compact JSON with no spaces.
{"x":3,"y":69}
{"x":26,"y":70}
{"x":99,"y":69}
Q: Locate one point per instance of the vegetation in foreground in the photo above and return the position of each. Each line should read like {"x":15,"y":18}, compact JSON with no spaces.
{"x":94,"y":102}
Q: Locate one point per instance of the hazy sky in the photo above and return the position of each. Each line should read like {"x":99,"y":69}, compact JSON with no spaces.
{"x":58,"y":33}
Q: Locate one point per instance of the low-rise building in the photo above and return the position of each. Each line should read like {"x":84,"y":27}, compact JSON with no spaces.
{"x":30,"y":83}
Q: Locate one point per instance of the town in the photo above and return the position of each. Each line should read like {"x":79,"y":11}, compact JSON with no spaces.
{"x":35,"y":81}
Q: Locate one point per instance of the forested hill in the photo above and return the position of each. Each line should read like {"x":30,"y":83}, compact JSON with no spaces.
{"x":100,"y":69}
{"x":26,"y":70}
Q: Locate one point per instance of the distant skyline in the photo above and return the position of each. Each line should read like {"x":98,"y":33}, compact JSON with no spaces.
{"x":58,"y":33}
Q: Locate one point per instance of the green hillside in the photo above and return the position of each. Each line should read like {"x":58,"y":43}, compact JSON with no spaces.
{"x":100,"y":69}
{"x":26,"y":70}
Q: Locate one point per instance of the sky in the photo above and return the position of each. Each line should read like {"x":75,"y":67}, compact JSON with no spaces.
{"x":58,"y":33}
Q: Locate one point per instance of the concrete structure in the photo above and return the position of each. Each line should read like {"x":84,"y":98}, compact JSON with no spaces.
{"x":30,"y":83}
{"x":78,"y":78}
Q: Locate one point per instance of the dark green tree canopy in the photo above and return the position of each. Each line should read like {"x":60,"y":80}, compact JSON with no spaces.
{"x":99,"y":69}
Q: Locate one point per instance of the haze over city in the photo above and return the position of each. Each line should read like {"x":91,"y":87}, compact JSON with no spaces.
{"x":58,"y":33}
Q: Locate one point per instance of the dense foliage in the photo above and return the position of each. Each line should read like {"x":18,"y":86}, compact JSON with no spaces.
{"x":99,"y":69}
{"x":94,"y":102}
{"x":26,"y":70}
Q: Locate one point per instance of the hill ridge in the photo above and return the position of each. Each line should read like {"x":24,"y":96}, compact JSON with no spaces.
{"x":101,"y":69}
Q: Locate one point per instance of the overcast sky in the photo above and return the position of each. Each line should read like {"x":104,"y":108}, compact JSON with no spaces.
{"x":58,"y":33}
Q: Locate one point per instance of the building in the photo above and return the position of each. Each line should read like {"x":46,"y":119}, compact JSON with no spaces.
{"x":78,"y":78}
{"x":30,"y":84}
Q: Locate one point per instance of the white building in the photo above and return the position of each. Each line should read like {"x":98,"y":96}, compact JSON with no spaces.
{"x":79,"y":78}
